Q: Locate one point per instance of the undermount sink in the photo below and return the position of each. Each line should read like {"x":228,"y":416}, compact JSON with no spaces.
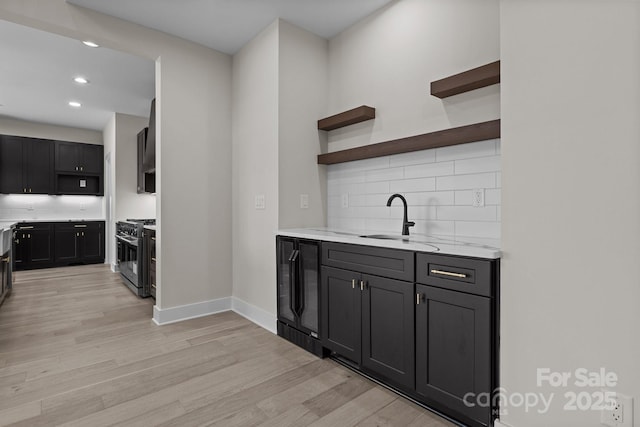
{"x":384,"y":237}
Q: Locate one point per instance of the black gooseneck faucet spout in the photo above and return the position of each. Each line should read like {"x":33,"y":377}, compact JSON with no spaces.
{"x":405,"y":222}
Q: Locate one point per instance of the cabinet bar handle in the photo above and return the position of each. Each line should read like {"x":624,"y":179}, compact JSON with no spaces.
{"x":153,"y":259}
{"x":448,"y":273}
{"x":153,"y":238}
{"x":353,"y":283}
{"x":80,"y":225}
{"x":27,"y":227}
{"x":417,"y":299}
{"x":7,"y":259}
{"x":362,"y":285}
{"x":153,"y":286}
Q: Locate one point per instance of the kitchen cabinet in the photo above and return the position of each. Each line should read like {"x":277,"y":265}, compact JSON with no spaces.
{"x":368,"y":318}
{"x":33,"y":246}
{"x":149,"y":256}
{"x":25,"y":165}
{"x":79,"y":168}
{"x":456,"y":334}
{"x":77,"y":157}
{"x":79,"y":243}
{"x":298,"y":289}
{"x":5,"y":272}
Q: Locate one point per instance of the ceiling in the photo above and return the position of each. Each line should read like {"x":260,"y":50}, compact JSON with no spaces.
{"x":227,"y":25}
{"x":37,"y":67}
{"x":36,"y":80}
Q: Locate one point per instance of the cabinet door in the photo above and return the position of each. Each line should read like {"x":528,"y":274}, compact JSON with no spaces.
{"x":341,"y":311}
{"x":453,"y":348}
{"x":67,"y":246}
{"x":93,"y":242}
{"x":39,"y":171}
{"x":20,"y":250}
{"x":67,"y":156}
{"x":11,"y":164}
{"x":286,"y":280}
{"x":388,"y":329}
{"x":309,"y":278}
{"x":40,"y":245}
{"x":92,"y":159}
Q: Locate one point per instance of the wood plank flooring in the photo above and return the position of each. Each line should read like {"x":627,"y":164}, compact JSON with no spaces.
{"x":77,"y":348}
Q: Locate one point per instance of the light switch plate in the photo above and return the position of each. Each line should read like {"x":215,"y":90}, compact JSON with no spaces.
{"x":345,"y":200}
{"x":259,"y":201}
{"x":304,"y":201}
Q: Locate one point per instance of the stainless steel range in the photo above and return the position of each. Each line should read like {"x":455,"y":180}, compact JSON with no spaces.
{"x":129,"y":253}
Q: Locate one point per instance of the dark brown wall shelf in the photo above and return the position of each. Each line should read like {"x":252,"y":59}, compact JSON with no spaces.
{"x":357,"y":115}
{"x":476,"y":78}
{"x":443,"y":138}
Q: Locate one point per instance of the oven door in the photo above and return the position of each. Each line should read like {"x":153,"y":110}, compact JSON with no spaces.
{"x":128,"y":259}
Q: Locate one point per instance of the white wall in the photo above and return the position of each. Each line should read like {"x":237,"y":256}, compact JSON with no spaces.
{"x":9,"y":126}
{"x":388,"y":60}
{"x":438,"y":185}
{"x":255,"y":169}
{"x":194,"y":139}
{"x":571,"y":199}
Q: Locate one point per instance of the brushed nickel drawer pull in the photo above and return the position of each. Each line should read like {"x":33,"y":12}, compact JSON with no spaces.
{"x":26,"y":227}
{"x":80,"y":226}
{"x":353,"y":283}
{"x":153,"y":259}
{"x":417,"y":299}
{"x":153,"y":238}
{"x":153,"y":286}
{"x":448,"y":273}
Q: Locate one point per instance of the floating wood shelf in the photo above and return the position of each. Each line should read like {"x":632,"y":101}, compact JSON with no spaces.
{"x":476,"y":78}
{"x":443,"y":138}
{"x":357,"y":115}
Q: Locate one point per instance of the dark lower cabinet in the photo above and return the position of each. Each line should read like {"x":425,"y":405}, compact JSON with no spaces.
{"x":79,"y":243}
{"x":44,"y":245}
{"x":453,"y":350}
{"x":370,"y":321}
{"x":149,"y":262}
{"x":33,"y":246}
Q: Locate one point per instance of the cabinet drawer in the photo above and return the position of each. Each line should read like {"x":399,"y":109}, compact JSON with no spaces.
{"x":469,"y":275}
{"x":392,"y":263}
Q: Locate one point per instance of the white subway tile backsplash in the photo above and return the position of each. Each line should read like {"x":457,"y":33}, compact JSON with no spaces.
{"x":466,"y":182}
{"x":413,"y":185}
{"x":438,"y":187}
{"x":412,"y":158}
{"x":499,"y":180}
{"x":384,"y":174}
{"x":466,"y":151}
{"x":477,"y":165}
{"x":467,"y":213}
{"x":429,"y":169}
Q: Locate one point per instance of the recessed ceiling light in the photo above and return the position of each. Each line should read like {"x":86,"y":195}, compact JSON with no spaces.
{"x":90,"y":43}
{"x":75,"y":104}
{"x":81,"y":80}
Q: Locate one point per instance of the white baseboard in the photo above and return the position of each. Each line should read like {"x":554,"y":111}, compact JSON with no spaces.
{"x":255,"y":314}
{"x":190,"y":311}
{"x":114,"y":268}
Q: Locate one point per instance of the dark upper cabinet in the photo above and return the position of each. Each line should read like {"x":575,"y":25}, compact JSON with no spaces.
{"x":149,"y":160}
{"x":79,"y":168}
{"x":76,"y":157}
{"x":81,"y":242}
{"x":26,"y":165}
{"x":33,"y":245}
{"x":453,"y":349}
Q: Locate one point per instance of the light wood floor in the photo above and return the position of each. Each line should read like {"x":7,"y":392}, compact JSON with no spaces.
{"x":77,"y":348}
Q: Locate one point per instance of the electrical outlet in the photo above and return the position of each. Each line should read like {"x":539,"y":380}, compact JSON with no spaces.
{"x":478,"y":197}
{"x":304,"y":201}
{"x":345,"y":200}
{"x":259,"y":201}
{"x":619,"y":413}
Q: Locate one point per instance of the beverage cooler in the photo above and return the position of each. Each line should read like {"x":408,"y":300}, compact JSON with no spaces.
{"x":298,"y":275}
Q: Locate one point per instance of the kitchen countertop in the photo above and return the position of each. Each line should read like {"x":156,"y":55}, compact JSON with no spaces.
{"x":17,"y":221}
{"x":471,"y":247}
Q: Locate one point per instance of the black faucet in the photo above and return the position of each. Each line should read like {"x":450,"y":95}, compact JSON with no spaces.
{"x":405,"y":222}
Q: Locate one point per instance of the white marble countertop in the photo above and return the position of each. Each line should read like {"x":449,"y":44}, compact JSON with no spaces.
{"x":471,"y":247}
